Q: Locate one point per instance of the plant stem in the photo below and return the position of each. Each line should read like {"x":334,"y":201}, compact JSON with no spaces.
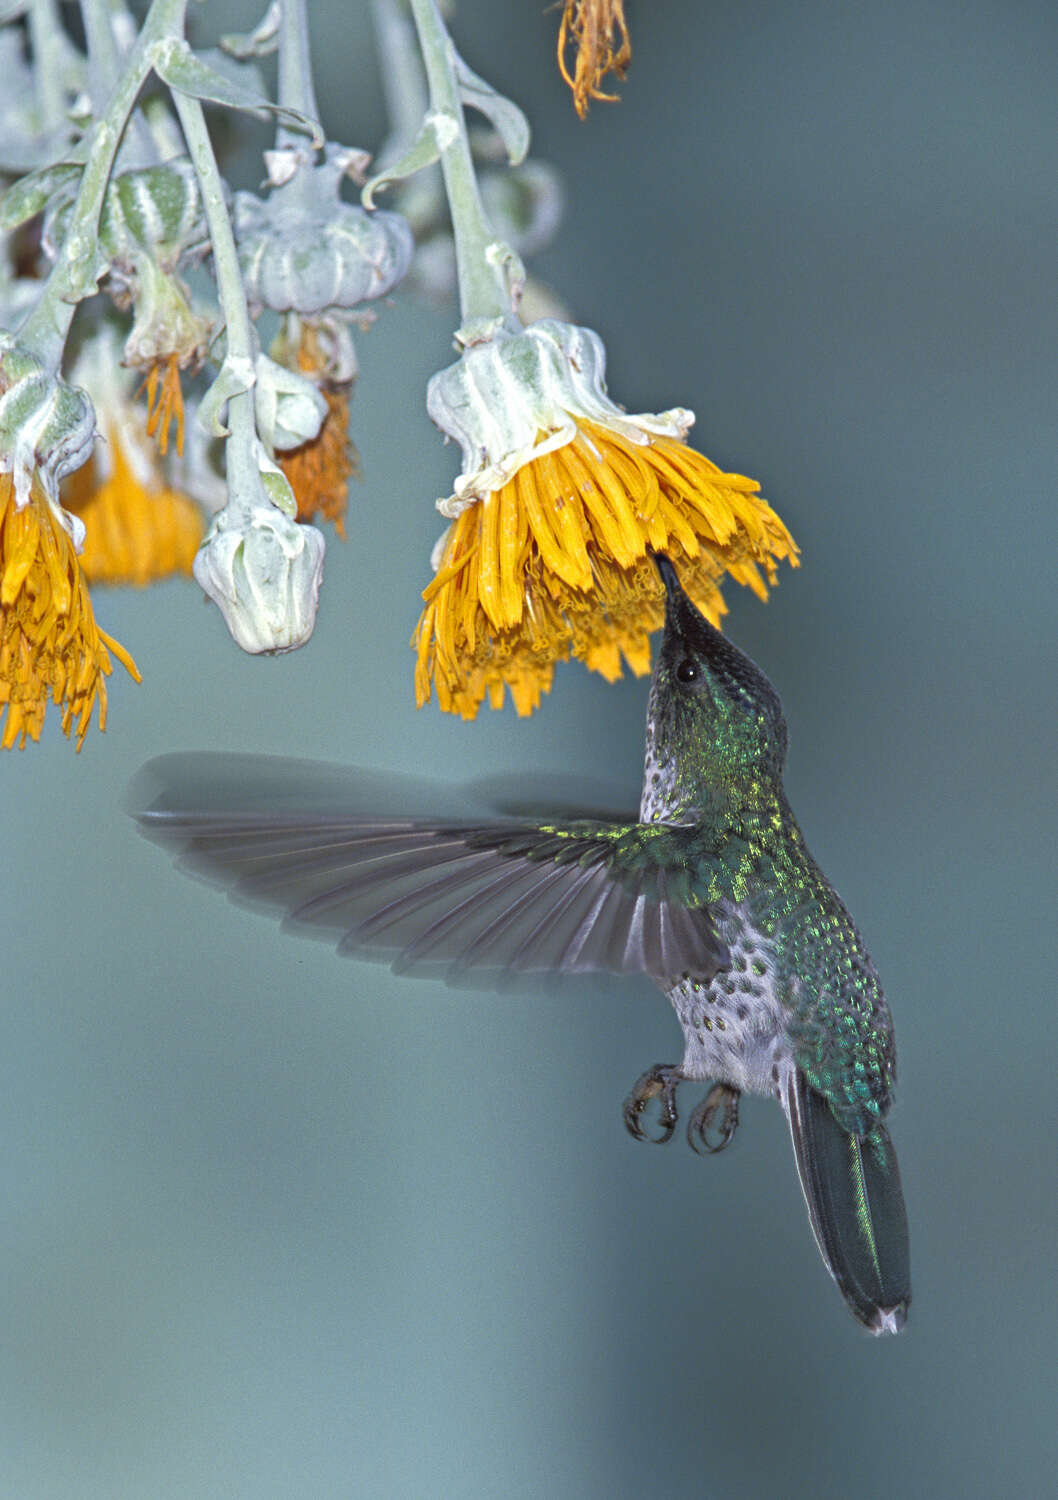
{"x":46,"y":36}
{"x":74,"y":275}
{"x":104,"y":67}
{"x":482,"y":288}
{"x":403,"y":80}
{"x":243,"y":477}
{"x":296,"y":89}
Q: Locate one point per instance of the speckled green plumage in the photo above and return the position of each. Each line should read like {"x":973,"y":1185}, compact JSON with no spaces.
{"x":756,"y":856}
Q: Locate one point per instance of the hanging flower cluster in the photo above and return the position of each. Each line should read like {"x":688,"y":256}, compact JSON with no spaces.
{"x":179,"y":360}
{"x":120,"y":198}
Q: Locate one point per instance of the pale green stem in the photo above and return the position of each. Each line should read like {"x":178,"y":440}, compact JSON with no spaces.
{"x":48,"y":41}
{"x":104,"y":67}
{"x":104,"y":63}
{"x":73,"y":276}
{"x":296,"y":90}
{"x":482,"y":292}
{"x":243,"y":473}
{"x":403,"y":81}
{"x":164,"y":131}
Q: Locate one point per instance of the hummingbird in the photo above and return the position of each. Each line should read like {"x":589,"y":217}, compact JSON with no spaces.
{"x":710,"y":891}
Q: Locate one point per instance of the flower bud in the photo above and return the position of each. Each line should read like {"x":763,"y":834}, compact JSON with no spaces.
{"x":304,"y":250}
{"x":264,"y":572}
{"x":290,"y":408}
{"x":153,"y":211}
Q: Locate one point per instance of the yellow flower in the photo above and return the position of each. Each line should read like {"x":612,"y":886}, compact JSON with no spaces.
{"x":548,"y":555}
{"x":135,"y":532}
{"x":138,"y":528}
{"x":49,"y":640}
{"x":599,"y":32}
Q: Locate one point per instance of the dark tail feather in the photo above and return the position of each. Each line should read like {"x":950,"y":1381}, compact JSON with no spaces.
{"x":852,"y":1188}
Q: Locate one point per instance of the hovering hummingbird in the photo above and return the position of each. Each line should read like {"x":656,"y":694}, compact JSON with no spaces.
{"x":710,"y":891}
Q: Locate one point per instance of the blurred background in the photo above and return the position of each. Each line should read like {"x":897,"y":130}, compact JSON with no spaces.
{"x":281,"y":1225}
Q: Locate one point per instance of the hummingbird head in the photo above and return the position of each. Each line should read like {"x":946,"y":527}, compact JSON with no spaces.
{"x":713,"y":714}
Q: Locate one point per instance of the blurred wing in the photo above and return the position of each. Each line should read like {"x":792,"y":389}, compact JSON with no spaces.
{"x":454,"y":893}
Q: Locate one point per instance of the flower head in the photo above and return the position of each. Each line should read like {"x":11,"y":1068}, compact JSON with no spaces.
{"x":152,"y":224}
{"x":562,"y":498}
{"x":49,"y":640}
{"x":138,"y":527}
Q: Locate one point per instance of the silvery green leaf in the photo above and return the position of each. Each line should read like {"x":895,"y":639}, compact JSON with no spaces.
{"x":277,"y":488}
{"x":12,"y":10}
{"x":261,"y":41}
{"x":233,"y":378}
{"x":244,"y":73}
{"x":32,"y":193}
{"x":505,"y":117}
{"x":180,"y":68}
{"x":436,"y":133}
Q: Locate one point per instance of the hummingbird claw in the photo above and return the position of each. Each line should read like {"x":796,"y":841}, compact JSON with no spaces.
{"x":661,"y":1080}
{"x":718,"y":1109}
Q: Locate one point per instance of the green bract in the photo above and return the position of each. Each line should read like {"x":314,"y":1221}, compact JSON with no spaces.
{"x":46,"y":426}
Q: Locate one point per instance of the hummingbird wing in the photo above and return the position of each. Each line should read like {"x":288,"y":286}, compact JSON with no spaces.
{"x":449,"y":894}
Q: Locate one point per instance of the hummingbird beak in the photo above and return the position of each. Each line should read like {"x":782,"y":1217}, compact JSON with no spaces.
{"x":668,"y":574}
{"x":677,"y":606}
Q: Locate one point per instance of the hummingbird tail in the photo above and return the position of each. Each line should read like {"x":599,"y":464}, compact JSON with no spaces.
{"x":852,"y":1188}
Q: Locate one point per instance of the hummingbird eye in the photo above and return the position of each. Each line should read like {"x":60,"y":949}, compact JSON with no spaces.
{"x":688,"y":670}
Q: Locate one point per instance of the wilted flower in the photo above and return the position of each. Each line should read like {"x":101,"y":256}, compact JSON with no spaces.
{"x":320,"y":468}
{"x":597,"y":30}
{"x":49,"y":640}
{"x":561,"y":496}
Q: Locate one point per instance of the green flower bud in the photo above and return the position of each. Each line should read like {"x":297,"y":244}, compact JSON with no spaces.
{"x":263,"y":570}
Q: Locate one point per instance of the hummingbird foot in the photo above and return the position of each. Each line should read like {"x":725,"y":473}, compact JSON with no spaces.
{"x":714,"y":1122}
{"x":659,"y":1082}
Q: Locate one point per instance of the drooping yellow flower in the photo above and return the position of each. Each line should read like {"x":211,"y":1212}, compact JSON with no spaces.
{"x":49,"y":640}
{"x":566,"y":496}
{"x":136,"y":532}
{"x":138,"y":527}
{"x":597,"y":30}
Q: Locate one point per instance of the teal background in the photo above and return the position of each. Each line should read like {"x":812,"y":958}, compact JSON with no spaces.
{"x":280,"y":1225}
